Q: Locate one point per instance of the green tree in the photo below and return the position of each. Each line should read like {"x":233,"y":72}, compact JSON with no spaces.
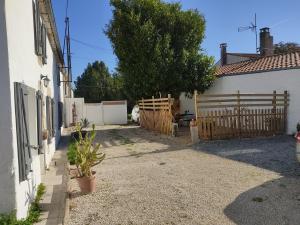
{"x":95,"y":83}
{"x":158,"y":47}
{"x":287,"y":47}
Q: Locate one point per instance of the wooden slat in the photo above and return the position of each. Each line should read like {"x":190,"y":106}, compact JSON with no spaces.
{"x":242,"y":100}
{"x":242,"y":105}
{"x":241,"y":95}
{"x":156,"y":100}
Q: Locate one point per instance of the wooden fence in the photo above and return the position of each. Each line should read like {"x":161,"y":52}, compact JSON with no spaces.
{"x":156,"y":114}
{"x":223,"y":116}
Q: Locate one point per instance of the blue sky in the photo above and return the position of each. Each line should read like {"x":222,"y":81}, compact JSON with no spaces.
{"x":89,"y":17}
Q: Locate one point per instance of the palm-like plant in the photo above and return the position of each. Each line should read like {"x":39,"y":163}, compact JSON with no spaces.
{"x":88,"y":154}
{"x":84,"y":123}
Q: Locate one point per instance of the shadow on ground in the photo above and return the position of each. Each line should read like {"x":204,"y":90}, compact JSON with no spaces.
{"x":274,"y":202}
{"x":272,"y":153}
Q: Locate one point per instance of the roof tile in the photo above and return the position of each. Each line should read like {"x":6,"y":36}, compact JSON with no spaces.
{"x":268,"y":63}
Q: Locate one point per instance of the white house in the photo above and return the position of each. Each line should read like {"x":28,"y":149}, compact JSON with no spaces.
{"x":31,"y":97}
{"x":257,"y":73}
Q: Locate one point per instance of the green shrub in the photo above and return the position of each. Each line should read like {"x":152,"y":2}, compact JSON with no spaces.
{"x":34,"y":211}
{"x":71,"y":154}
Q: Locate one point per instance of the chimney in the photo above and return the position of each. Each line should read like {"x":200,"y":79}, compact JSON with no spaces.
{"x":266,"y":42}
{"x":223,"y":47}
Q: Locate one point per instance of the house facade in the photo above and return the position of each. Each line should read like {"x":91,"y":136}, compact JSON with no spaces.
{"x":31,"y":95}
{"x":257,"y":73}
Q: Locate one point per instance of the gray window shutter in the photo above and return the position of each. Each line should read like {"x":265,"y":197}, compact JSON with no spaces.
{"x":60,"y":114}
{"x":39,"y":104}
{"x":48,"y":117}
{"x":23,"y":143}
{"x":44,"y":44}
{"x":37,"y":29}
{"x":52,"y":117}
{"x":34,"y":11}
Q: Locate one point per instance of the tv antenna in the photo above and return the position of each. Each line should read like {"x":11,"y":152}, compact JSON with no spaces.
{"x":253,"y":28}
{"x":67,"y":46}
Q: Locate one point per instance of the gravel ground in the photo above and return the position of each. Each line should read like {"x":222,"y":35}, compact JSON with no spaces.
{"x":152,"y":179}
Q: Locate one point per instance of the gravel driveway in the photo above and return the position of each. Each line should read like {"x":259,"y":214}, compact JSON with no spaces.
{"x":152,"y":179}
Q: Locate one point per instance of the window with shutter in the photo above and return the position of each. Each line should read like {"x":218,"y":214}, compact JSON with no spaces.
{"x":23,"y":140}
{"x":37,"y":28}
{"x":40,"y":33}
{"x":39,"y":104}
{"x":48,"y":118}
{"x":52,"y":117}
{"x":44,"y":44}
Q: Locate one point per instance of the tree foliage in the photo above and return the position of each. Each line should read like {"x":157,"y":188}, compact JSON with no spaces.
{"x":96,"y":84}
{"x":287,"y":47}
{"x":158,"y":47}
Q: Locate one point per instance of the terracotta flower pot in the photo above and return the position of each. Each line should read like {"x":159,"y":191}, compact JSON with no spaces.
{"x":87,"y":184}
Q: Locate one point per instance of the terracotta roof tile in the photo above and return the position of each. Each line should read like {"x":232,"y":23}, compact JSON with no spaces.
{"x":268,"y":63}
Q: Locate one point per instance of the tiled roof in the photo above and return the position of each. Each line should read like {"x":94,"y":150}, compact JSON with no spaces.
{"x":249,"y":55}
{"x":268,"y":63}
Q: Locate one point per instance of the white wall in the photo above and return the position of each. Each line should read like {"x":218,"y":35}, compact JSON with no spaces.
{"x":186,"y":104}
{"x":26,"y":67}
{"x":263,"y":83}
{"x":107,"y":112}
{"x":94,"y":113}
{"x":7,"y":170}
{"x":115,"y":113}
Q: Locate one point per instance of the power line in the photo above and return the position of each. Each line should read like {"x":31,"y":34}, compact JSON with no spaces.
{"x":90,"y":45}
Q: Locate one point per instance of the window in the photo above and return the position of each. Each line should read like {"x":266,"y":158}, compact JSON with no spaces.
{"x":26,"y":127}
{"x":50,"y":118}
{"x":39,"y":106}
{"x":40,"y":34}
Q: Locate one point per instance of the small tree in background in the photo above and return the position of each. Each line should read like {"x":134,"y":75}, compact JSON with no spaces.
{"x":287,"y":47}
{"x":158,"y":47}
{"x":96,"y":84}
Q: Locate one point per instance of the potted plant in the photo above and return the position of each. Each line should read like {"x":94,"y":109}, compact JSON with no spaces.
{"x":87,"y":155}
{"x":84,"y":123}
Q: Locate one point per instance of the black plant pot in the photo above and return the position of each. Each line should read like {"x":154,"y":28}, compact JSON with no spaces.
{"x":75,"y":135}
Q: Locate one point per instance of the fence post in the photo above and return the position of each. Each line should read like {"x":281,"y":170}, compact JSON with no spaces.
{"x":239,"y":112}
{"x":196,"y":106}
{"x":285,"y":110}
{"x":153,"y":117}
{"x":142,"y":114}
{"x":170,"y":114}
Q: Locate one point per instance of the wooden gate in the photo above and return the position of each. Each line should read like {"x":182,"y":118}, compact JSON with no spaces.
{"x":221,"y":116}
{"x":156,"y":114}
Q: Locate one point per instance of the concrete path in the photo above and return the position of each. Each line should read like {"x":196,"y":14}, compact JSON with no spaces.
{"x":53,"y":204}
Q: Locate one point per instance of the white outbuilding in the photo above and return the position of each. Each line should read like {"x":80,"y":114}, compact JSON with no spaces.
{"x":257,"y":73}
